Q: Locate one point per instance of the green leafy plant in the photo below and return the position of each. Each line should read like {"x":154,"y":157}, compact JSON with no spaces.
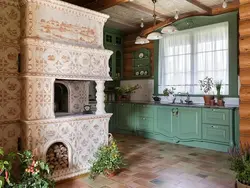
{"x":126,"y":90}
{"x":167,"y":92}
{"x":218,"y":85}
{"x":240,"y":163}
{"x":206,"y":85}
{"x":5,"y":168}
{"x":108,"y":160}
{"x":34,"y":173}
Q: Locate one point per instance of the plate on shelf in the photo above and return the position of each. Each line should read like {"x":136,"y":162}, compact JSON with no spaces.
{"x":145,"y":72}
{"x":142,"y":72}
{"x":141,"y":55}
{"x":137,"y":73}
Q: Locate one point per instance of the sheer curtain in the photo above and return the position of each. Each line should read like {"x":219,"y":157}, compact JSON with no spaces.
{"x":189,"y":56}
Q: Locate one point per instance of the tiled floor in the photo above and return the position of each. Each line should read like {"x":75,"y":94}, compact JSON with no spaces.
{"x":156,"y":164}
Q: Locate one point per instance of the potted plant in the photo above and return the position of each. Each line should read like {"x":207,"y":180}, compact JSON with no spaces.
{"x":240,"y":164}
{"x":220,"y":101}
{"x":169,"y":93}
{"x":124,"y":93}
{"x":5,"y":168}
{"x":33,"y":173}
{"x":206,"y":85}
{"x":108,"y":161}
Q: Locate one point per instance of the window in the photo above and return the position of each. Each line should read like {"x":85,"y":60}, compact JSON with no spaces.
{"x":190,"y":55}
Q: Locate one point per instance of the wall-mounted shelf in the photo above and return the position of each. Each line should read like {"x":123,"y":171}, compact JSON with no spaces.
{"x":141,"y":64}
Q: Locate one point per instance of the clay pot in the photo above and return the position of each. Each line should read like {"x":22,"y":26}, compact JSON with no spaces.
{"x":207,"y":99}
{"x":212,"y":102}
{"x":240,"y":185}
{"x":220,"y":103}
{"x":110,"y":174}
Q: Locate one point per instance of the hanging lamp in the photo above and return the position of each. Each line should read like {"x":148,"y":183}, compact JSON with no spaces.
{"x":170,"y":29}
{"x":154,"y":35}
{"x":139,"y":39}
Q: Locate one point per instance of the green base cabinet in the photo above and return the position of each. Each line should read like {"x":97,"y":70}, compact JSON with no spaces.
{"x":210,"y":128}
{"x":124,"y":117}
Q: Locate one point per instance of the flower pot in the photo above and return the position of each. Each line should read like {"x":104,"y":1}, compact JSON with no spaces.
{"x":207,"y":99}
{"x":240,"y":185}
{"x":212,"y":102}
{"x":109,"y":173}
{"x":220,"y":103}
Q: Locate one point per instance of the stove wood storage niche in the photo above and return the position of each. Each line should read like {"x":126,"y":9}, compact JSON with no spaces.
{"x":66,"y":44}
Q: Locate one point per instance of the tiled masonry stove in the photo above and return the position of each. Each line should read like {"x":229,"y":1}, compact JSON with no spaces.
{"x":62,"y":42}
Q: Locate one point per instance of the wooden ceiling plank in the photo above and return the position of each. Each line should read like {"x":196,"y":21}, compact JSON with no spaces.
{"x":103,"y":4}
{"x":122,"y":22}
{"x":143,"y":9}
{"x":200,"y":5}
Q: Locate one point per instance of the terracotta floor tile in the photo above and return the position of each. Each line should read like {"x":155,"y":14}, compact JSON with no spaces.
{"x":154,"y":164}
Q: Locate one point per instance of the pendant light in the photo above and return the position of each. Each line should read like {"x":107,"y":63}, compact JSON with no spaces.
{"x":154,"y":35}
{"x":139,"y":39}
{"x":224,"y":4}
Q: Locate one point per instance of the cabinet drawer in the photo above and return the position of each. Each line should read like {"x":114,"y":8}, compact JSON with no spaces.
{"x":145,"y":124}
{"x":216,"y":116}
{"x":216,"y":133}
{"x":145,"y":110}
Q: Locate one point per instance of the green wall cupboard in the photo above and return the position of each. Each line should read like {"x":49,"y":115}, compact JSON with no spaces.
{"x":211,"y":128}
{"x":113,"y":40}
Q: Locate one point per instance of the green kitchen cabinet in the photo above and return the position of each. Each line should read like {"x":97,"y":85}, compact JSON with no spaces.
{"x":144,"y":118}
{"x":113,"y":40}
{"x":189,"y":123}
{"x":124,"y":117}
{"x":141,"y":63}
{"x":165,"y":121}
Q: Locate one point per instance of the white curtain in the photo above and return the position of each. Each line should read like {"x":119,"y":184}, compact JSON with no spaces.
{"x":189,"y":56}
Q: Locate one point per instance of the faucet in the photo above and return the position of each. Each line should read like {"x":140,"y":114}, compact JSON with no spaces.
{"x":188,"y":101}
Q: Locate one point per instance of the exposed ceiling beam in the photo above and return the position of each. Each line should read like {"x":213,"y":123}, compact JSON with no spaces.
{"x":170,"y":21}
{"x":232,"y":6}
{"x":103,"y":4}
{"x":142,"y":9}
{"x":200,"y":5}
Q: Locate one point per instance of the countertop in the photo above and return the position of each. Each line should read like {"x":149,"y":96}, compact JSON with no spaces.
{"x":194,"y":105}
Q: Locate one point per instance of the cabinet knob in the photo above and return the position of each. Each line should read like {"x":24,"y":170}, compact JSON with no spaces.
{"x":144,"y":118}
{"x":214,"y":126}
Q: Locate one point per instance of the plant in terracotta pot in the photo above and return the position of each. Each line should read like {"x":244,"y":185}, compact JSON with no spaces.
{"x":240,"y":164}
{"x":206,"y":85}
{"x":124,"y":93}
{"x":108,"y":160}
{"x":220,"y":101}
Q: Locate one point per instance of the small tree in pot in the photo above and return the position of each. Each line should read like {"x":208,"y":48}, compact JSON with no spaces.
{"x":240,"y":163}
{"x":206,"y":85}
{"x":220,"y":101}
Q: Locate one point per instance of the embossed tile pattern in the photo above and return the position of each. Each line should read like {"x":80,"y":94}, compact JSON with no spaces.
{"x":156,"y":164}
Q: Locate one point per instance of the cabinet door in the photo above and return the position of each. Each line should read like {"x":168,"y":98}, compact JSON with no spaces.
{"x":124,"y":117}
{"x":216,"y":133}
{"x":189,"y":123}
{"x":165,"y":121}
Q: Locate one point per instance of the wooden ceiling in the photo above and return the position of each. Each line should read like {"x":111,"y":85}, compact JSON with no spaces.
{"x":126,"y":15}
